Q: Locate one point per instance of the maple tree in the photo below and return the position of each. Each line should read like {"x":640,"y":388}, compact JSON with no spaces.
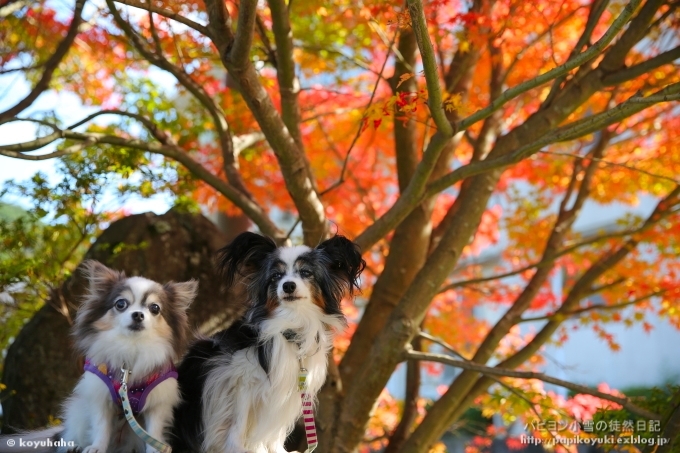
{"x":399,"y":126}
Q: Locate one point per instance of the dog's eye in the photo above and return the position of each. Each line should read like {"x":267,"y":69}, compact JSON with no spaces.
{"x":154,"y":309}
{"x":121,"y":304}
{"x":304,"y":273}
{"x":276,"y":276}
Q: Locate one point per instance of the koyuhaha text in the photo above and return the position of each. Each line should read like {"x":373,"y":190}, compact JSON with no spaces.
{"x":21,"y":443}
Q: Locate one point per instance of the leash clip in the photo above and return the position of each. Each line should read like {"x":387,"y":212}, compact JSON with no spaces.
{"x":123,"y":382}
{"x":127,"y":411}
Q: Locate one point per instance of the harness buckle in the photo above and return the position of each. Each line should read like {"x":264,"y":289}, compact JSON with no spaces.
{"x":124,"y":379}
{"x":300,"y":359}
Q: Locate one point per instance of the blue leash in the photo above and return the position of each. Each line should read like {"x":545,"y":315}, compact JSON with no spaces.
{"x":127,"y":410}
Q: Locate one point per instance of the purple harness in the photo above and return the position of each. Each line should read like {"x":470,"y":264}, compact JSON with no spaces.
{"x":136,"y":393}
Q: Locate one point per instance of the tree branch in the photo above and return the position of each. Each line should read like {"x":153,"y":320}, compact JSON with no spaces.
{"x":345,"y":162}
{"x":615,"y":57}
{"x":570,"y":64}
{"x":34,"y":144}
{"x":571,"y":314}
{"x":410,"y":412}
{"x":644,"y":67}
{"x":148,"y":6}
{"x":505,"y":372}
{"x":355,"y":60}
{"x":22,"y":69}
{"x":441,"y":343}
{"x":605,"y":286}
{"x":534,"y":40}
{"x":5,"y":151}
{"x":229,"y":155}
{"x":481,"y":146}
{"x":166,"y":148}
{"x":663,"y":209}
{"x":289,"y":85}
{"x":543,"y":262}
{"x":295,"y":167}
{"x":408,"y":245}
{"x":406,"y":150}
{"x":262,"y":32}
{"x":512,"y":389}
{"x":566,"y":217}
{"x":50,"y":65}
{"x":584,"y":283}
{"x":672,"y":7}
{"x":343,"y":159}
{"x":157,"y":39}
{"x":413,"y":194}
{"x":245,"y":141}
{"x":157,"y":133}
{"x":412,"y":306}
{"x":567,"y":132}
{"x":241,"y":142}
{"x":411,"y":198}
{"x":435,"y":100}
{"x":597,"y":8}
{"x":239,"y":52}
{"x":615,"y":164}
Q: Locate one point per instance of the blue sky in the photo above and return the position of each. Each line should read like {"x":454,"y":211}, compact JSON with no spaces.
{"x":69,"y":109}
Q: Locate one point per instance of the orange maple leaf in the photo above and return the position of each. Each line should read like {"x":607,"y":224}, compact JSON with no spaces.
{"x":404,"y":78}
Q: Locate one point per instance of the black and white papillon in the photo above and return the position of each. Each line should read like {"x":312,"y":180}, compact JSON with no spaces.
{"x":123,"y":321}
{"x":240,"y":387}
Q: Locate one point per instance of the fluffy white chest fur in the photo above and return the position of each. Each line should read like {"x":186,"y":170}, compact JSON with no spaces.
{"x":246,"y":409}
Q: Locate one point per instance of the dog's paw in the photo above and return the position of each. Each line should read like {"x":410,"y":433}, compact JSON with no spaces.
{"x":94,"y":449}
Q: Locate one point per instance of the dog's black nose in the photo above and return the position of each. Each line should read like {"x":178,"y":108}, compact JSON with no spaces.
{"x":289,"y":287}
{"x":138,"y":316}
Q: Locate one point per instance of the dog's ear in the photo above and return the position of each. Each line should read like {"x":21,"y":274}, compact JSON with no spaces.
{"x":345,"y":258}
{"x":101,"y":279}
{"x":244,"y":256}
{"x":183,"y":293}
